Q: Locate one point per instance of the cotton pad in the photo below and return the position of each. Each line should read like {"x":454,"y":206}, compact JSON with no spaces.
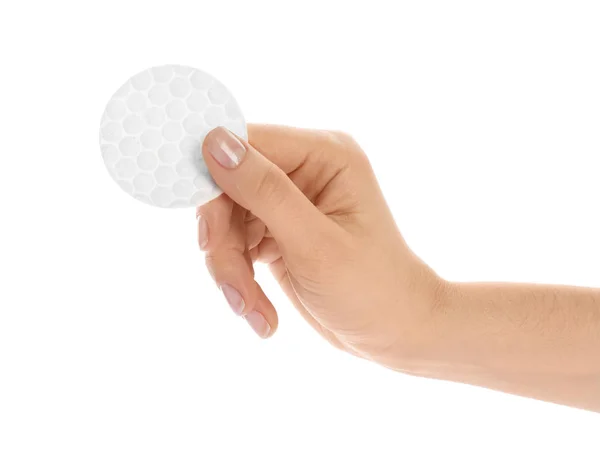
{"x":152,"y":131}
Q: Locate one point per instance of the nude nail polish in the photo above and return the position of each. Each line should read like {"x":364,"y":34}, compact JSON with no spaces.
{"x":202,"y":232}
{"x":234,"y":299}
{"x":225,"y":148}
{"x":258,"y":323}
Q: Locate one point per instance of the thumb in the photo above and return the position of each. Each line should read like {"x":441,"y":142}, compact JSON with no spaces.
{"x":260,"y":186}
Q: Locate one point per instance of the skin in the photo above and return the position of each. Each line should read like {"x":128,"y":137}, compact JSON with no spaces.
{"x":308,"y":204}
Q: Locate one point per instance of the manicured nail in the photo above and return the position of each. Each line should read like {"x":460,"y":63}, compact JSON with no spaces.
{"x":202,"y":232}
{"x":258,"y":323}
{"x":233,"y":297}
{"x":227,"y":150}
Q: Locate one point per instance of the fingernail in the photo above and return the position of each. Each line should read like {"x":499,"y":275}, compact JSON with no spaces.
{"x":233,"y":297}
{"x":227,"y":150}
{"x":202,"y":232}
{"x":258,"y":323}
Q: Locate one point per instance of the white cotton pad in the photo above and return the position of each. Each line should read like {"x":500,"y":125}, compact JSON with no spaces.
{"x":152,"y":131}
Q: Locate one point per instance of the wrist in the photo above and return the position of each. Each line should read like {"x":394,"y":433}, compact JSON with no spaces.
{"x":419,"y":335}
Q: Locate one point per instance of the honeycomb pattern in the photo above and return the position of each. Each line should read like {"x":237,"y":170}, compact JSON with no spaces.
{"x":152,"y":131}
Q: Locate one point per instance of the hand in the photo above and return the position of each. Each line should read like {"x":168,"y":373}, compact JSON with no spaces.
{"x":308,"y":204}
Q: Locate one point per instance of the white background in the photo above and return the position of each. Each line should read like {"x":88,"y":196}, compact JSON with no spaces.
{"x":482,"y":121}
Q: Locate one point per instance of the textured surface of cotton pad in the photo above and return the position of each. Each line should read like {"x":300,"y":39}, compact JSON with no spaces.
{"x":152,"y":130}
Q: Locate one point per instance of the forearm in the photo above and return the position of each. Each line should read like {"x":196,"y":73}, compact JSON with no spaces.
{"x":532,"y":340}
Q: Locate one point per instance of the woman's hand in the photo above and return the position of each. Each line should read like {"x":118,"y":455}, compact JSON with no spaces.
{"x":308,"y":204}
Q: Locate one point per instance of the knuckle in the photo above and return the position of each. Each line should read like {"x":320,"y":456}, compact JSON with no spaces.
{"x":343,"y":137}
{"x":269,"y":187}
{"x":221,"y":264}
{"x":209,"y":261}
{"x":361,"y":159}
{"x":347,"y":146}
{"x":336,"y":140}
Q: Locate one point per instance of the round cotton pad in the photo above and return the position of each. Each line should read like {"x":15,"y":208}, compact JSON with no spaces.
{"x":152,"y":131}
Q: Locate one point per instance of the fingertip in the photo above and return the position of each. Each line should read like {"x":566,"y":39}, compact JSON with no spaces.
{"x":223,"y":147}
{"x":202,"y":231}
{"x":262,"y":318}
{"x":213,"y":222}
{"x":259,"y":324}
